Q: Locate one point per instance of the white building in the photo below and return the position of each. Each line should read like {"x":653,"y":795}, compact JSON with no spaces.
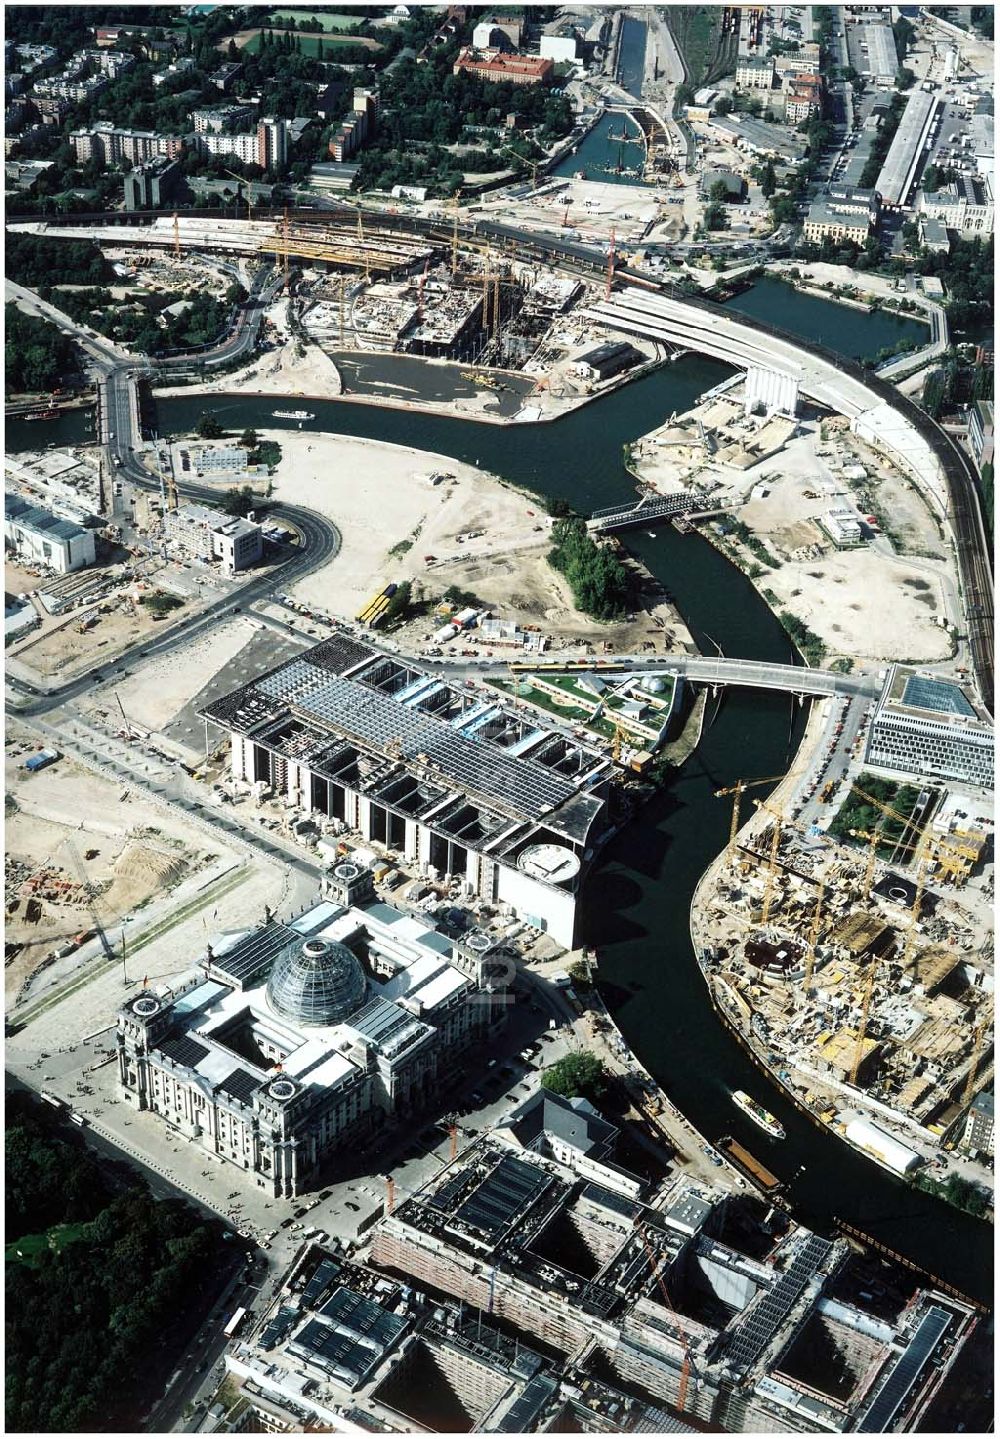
{"x":843,"y":527}
{"x":210,"y":535}
{"x":778,"y":394}
{"x":39,"y":537}
{"x":560,"y":48}
{"x":966,"y":205}
{"x":299,"y":1042}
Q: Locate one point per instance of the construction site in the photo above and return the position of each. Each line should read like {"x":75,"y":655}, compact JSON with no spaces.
{"x":859,"y":970}
{"x":72,"y":879}
{"x":653,"y":1294}
{"x":353,"y":285}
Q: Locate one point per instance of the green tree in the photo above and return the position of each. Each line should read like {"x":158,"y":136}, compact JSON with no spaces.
{"x":577,"y":1075}
{"x":238,"y":501}
{"x":208,"y":428}
{"x":768,"y":180}
{"x":904,"y":78}
{"x":248,"y":439}
{"x":596,"y":576}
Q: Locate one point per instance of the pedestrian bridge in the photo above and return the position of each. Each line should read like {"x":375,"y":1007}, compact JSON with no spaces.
{"x":696,"y":669}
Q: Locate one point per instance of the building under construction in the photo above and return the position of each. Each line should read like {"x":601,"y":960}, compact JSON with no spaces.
{"x":743,"y":1323}
{"x":458,"y":781}
{"x":856,"y":978}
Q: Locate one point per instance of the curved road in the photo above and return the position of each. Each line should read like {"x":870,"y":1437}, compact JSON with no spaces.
{"x":319,"y":542}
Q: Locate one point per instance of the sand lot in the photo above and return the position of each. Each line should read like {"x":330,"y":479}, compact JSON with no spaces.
{"x":163,"y":686}
{"x":865,"y":604}
{"x":380,"y":498}
{"x":142,"y":853}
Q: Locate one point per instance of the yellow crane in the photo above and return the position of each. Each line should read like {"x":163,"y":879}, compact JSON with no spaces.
{"x":859,"y":1052}
{"x":243,"y":181}
{"x":778,"y":818}
{"x":977,"y":1044}
{"x":817,"y":920}
{"x":873,"y":838}
{"x":737,"y":790}
{"x":534,"y":165}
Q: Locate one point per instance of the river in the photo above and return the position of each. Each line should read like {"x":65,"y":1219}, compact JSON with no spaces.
{"x":638,"y":896}
{"x":603,"y":156}
{"x":858,"y":333}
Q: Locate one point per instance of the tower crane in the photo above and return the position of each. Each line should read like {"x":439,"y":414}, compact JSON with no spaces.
{"x":737,"y":790}
{"x":873,"y":838}
{"x":813,"y":938}
{"x":778,"y":816}
{"x":534,"y":165}
{"x":655,"y":1270}
{"x":243,"y":181}
{"x":859,"y":1051}
{"x":88,"y":890}
{"x":977,"y":1044}
{"x":454,"y":233}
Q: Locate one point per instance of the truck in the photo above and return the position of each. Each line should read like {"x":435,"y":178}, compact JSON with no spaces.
{"x":41,"y":760}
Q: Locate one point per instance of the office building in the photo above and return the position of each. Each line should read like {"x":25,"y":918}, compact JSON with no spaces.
{"x":38,"y":537}
{"x":977,"y":1135}
{"x":358,"y":126}
{"x":454,"y":779}
{"x":294,"y":1043}
{"x":496,"y":66}
{"x":150,"y":186}
{"x":582,"y":1269}
{"x":212,"y":536}
{"x":965,"y":205}
{"x":109,"y":144}
{"x":357,"y":1350}
{"x":981,"y":432}
{"x":841,"y":218}
{"x":755,"y":72}
{"x":218,"y":118}
{"x":272,"y":143}
{"x":925,"y":726}
{"x":803,"y":98}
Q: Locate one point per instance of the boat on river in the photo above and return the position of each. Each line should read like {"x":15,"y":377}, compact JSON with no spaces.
{"x":760,"y":1116}
{"x":292,"y":415}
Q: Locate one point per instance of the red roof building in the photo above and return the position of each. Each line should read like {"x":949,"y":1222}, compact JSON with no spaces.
{"x":495,"y":65}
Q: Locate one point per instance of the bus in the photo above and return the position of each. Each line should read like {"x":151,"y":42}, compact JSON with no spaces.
{"x":235,"y":1323}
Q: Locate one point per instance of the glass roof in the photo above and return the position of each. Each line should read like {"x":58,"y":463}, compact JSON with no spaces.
{"x":316,"y":982}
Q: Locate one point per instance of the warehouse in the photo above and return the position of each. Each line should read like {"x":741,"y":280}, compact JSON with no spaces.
{"x":899,"y":171}
{"x":39,"y":537}
{"x":457,"y":781}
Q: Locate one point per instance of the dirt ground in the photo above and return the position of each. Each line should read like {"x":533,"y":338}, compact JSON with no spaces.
{"x":865,"y":604}
{"x":59,"y":648}
{"x":284,"y":372}
{"x":164,"y":686}
{"x":380,"y":498}
{"x":54,"y":819}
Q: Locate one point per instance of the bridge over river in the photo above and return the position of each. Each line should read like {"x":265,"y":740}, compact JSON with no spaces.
{"x":697,"y":669}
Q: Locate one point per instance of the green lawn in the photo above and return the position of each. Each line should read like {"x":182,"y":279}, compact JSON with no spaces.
{"x":328,"y":22}
{"x":309,"y":44}
{"x":27,"y":1249}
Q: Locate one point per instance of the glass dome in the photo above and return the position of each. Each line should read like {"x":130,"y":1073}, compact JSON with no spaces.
{"x":316,"y":982}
